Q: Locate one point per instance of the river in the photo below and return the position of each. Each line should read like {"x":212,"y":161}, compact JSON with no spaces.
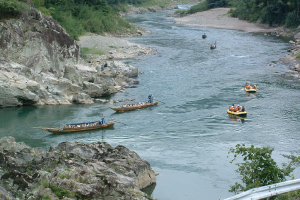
{"x":186,"y":138}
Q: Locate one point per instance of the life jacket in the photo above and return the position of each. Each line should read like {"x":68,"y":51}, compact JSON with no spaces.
{"x":236,"y":108}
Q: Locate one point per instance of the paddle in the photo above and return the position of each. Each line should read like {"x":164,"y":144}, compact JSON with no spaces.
{"x":160,"y":101}
{"x":118,"y":121}
{"x":41,"y":127}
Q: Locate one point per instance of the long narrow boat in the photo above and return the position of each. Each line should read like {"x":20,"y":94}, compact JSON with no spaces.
{"x":128,"y":107}
{"x":80,"y":127}
{"x":237,"y":112}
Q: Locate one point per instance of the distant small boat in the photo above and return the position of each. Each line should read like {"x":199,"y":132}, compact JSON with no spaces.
{"x":237,"y":112}
{"x":128,"y":107}
{"x":213,"y":46}
{"x":79,"y":127}
{"x":204,"y":36}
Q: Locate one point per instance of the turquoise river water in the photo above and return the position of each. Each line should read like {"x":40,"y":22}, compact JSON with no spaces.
{"x":186,"y":138}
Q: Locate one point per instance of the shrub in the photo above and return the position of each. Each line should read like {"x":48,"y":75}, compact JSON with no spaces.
{"x":11,"y":8}
{"x":258,"y":168}
{"x":291,"y":20}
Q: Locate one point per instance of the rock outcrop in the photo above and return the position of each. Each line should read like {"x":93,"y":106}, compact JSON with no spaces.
{"x":292,"y":60}
{"x":72,"y":171}
{"x":41,"y":64}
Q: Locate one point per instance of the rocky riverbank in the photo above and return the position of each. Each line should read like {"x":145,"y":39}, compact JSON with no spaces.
{"x":219,"y":18}
{"x":72,"y":171}
{"x":41,"y":64}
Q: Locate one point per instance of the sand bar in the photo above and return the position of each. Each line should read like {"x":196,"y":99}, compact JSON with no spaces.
{"x":218,"y":18}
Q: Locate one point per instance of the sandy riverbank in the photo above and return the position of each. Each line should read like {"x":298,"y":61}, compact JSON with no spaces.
{"x":218,"y":18}
{"x":119,"y":48}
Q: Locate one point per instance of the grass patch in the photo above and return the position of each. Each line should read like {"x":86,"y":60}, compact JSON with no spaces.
{"x":61,"y":192}
{"x":85,"y":51}
{"x":297,"y":55}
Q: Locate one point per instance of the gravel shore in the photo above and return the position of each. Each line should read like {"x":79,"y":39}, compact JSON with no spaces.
{"x":218,"y":18}
{"x":119,"y":48}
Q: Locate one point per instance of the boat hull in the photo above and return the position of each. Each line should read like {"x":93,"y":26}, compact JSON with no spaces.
{"x":239,"y":113}
{"x":77,"y":129}
{"x":128,"y":108}
{"x":250,"y":90}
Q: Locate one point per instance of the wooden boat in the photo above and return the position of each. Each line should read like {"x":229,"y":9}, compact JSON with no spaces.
{"x":213,"y":46}
{"x":80,"y":127}
{"x":128,"y":107}
{"x":237,"y":112}
{"x":251,"y":89}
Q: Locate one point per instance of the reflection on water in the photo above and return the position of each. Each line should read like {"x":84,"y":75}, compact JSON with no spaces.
{"x":149,"y":190}
{"x":237,"y":118}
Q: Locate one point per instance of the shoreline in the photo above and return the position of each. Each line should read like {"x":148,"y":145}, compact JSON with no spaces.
{"x":218,"y":18}
{"x":118,"y":48}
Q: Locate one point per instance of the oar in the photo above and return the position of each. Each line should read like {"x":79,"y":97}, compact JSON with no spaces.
{"x":243,"y":89}
{"x":160,"y":101}
{"x":118,"y":121}
{"x":42,"y":127}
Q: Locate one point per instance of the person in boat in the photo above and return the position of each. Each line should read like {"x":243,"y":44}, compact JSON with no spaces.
{"x":150,"y":98}
{"x":242,"y":109}
{"x":237,"y":108}
{"x":213,"y":46}
{"x":231,"y":108}
{"x":254,"y":86}
{"x":248,"y":86}
{"x":103,"y":119}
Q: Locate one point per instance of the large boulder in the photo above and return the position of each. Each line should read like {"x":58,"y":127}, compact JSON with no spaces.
{"x":115,"y":68}
{"x":73,"y":170}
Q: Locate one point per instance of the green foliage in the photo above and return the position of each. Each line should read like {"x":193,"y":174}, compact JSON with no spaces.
{"x":62,"y":176}
{"x":45,"y":183}
{"x":11,"y":8}
{"x":204,"y":5}
{"x":198,"y":8}
{"x":61,"y":192}
{"x":86,"y":51}
{"x":258,"y":168}
{"x":272,"y":12}
{"x":46,"y":197}
{"x":80,"y":16}
{"x":292,"y":21}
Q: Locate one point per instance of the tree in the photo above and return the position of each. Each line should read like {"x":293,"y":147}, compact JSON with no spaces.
{"x":258,"y":168}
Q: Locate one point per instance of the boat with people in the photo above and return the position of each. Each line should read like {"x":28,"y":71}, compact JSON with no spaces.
{"x":134,"y":106}
{"x":213,"y":46}
{"x":76,"y":127}
{"x":236,"y":110}
{"x":249,"y":88}
{"x":204,"y":36}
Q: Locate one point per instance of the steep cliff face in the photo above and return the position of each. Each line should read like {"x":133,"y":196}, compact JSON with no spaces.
{"x":38,"y":42}
{"x":41,"y":64}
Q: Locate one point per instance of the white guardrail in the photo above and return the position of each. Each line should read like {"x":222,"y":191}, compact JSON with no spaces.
{"x":268,"y":190}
